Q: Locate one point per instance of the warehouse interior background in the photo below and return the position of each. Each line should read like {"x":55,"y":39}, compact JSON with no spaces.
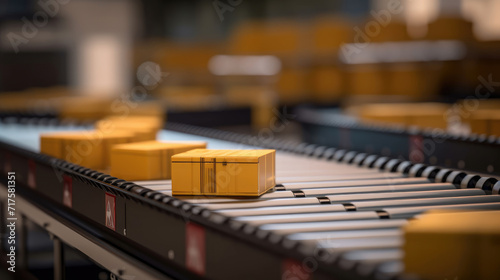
{"x":214,"y":55}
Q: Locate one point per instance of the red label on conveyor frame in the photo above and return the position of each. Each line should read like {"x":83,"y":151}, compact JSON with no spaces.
{"x":293,"y":269}
{"x":416,"y":151}
{"x":195,"y":248}
{"x":110,"y":208}
{"x":344,"y":138}
{"x":31,"y":174}
{"x":67,"y":191}
{"x":7,"y":167}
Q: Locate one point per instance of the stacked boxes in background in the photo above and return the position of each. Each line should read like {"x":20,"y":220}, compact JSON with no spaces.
{"x":485,"y":122}
{"x":424,"y":115}
{"x":327,"y":76}
{"x":280,"y":38}
{"x":482,"y":116}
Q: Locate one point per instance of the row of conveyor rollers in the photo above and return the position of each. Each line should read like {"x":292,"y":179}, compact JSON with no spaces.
{"x":352,"y":206}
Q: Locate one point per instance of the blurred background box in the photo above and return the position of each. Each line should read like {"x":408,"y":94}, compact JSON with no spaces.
{"x":367,"y":79}
{"x":450,"y":28}
{"x":485,"y":121}
{"x":423,"y":115}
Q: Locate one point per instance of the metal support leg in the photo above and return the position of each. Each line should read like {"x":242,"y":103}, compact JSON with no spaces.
{"x":22,"y":241}
{"x":2,"y":225}
{"x":59,"y":270}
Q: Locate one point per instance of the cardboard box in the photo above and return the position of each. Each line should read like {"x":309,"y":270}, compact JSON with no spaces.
{"x":223,"y":172}
{"x":418,"y":114}
{"x":90,"y":149}
{"x":155,"y":122}
{"x":327,"y":84}
{"x":366,"y":79}
{"x":147,"y":160}
{"x":454,"y":245}
{"x":485,"y":121}
{"x":292,"y":85}
{"x":142,"y":128}
{"x":84,"y":108}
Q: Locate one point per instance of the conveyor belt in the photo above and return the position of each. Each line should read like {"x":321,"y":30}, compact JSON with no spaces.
{"x":349,"y":206}
{"x":430,"y":146}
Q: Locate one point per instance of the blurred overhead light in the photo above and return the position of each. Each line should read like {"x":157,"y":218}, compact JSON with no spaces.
{"x":397,"y":52}
{"x":101,"y":65}
{"x":244,"y":65}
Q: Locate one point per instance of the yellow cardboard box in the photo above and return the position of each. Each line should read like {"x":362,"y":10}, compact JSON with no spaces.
{"x":453,"y":245}
{"x":148,"y":160}
{"x":142,"y":128}
{"x":86,"y":148}
{"x":223,"y":172}
{"x":485,"y":121}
